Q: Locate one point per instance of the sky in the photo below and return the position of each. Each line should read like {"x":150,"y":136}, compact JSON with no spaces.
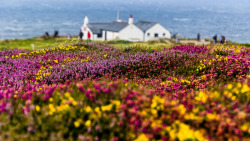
{"x":223,"y":5}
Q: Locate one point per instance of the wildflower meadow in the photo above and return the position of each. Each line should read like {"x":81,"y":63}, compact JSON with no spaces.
{"x":98,"y":92}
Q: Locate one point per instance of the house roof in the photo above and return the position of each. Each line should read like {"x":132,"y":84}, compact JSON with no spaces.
{"x":97,"y":27}
{"x":145,"y":25}
{"x":118,"y":26}
{"x":114,"y":26}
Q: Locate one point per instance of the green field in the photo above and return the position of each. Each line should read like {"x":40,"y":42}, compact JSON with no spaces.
{"x":37,"y":41}
{"x":41,"y":43}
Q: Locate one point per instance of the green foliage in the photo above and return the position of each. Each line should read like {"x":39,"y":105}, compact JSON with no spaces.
{"x":246,"y":44}
{"x":37,"y":41}
{"x":119,"y":42}
{"x":220,"y":52}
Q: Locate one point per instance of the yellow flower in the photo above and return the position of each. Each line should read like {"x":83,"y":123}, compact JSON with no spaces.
{"x":154,"y":112}
{"x":97,"y":110}
{"x":201,"y":97}
{"x":203,"y":76}
{"x":117,"y":103}
{"x":211,"y":116}
{"x":88,"y":109}
{"x":105,"y":56}
{"x":37,"y":108}
{"x":182,"y":132}
{"x":88,"y":123}
{"x":107,"y":107}
{"x":239,"y":85}
{"x":56,"y":61}
{"x":229,"y":86}
{"x":77,"y":124}
{"x":51,"y":99}
{"x":173,"y":102}
{"x":67,"y":94}
{"x":244,"y":127}
{"x":74,"y":103}
{"x":242,"y":115}
{"x":195,"y":110}
{"x":233,"y":98}
{"x":182,"y":109}
{"x":142,"y":137}
{"x":153,"y":105}
{"x":245,"y":88}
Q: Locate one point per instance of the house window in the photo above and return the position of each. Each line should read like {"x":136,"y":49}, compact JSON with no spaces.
{"x":156,"y":34}
{"x":99,"y":35}
{"x":148,"y":34}
{"x":163,"y":34}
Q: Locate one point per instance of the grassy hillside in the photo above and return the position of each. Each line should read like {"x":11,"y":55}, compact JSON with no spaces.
{"x":41,"y":43}
{"x":96,"y":91}
{"x":37,"y":41}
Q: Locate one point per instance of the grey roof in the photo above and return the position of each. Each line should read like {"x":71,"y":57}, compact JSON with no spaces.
{"x":145,"y":25}
{"x":97,"y":27}
{"x":116,"y":26}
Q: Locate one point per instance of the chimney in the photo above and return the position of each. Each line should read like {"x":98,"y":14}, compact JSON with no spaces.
{"x":86,"y":21}
{"x":130,"y":20}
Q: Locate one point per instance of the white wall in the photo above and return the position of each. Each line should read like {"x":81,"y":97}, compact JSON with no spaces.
{"x":85,"y":33}
{"x":157,"y":28}
{"x":111,"y":35}
{"x":131,"y":33}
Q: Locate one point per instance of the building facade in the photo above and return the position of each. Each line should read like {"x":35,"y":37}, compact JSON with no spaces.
{"x":120,"y":30}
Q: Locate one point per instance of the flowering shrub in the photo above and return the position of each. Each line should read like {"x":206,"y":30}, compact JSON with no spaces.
{"x":86,"y":109}
{"x":97,"y":92}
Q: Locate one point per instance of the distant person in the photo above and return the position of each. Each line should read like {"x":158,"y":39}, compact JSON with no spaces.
{"x":176,"y":38}
{"x":47,"y":34}
{"x":89,"y":35}
{"x":80,"y":35}
{"x":223,"y":39}
{"x":55,"y":33}
{"x":198,"y":36}
{"x":69,"y":36}
{"x":215,"y":38}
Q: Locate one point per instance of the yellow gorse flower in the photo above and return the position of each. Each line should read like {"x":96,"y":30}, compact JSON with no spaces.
{"x":201,"y":97}
{"x":56,"y":61}
{"x":88,"y":109}
{"x":37,"y":108}
{"x":78,"y":122}
{"x":105,"y":56}
{"x":142,"y":137}
{"x":107,"y":107}
{"x":88,"y":123}
{"x":183,"y":132}
{"x":181,"y":109}
{"x":245,"y":89}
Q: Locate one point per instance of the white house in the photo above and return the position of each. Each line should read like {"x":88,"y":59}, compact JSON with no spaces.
{"x":141,"y":31}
